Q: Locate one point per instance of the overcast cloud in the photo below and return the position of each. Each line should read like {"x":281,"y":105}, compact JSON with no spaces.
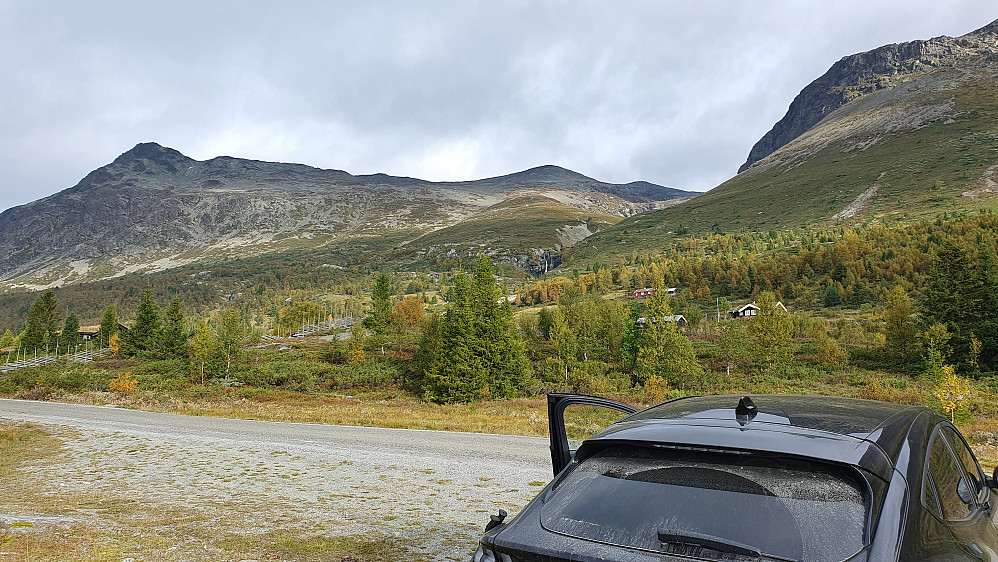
{"x":674,"y":93}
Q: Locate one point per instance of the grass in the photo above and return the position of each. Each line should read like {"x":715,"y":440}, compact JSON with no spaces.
{"x":532,"y":223}
{"x":522,"y":416}
{"x":285,"y":545}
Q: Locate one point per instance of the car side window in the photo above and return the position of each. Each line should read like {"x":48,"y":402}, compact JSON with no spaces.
{"x":955,"y":495}
{"x":969,"y":464}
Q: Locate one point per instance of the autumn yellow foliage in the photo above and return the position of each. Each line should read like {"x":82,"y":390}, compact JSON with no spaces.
{"x":123,"y":384}
{"x":355,"y":356}
{"x":951,"y":390}
{"x":656,"y":388}
{"x":115,"y":344}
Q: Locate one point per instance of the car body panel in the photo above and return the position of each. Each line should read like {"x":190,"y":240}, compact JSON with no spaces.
{"x":561,"y":454}
{"x":886,"y":442}
{"x":758,"y":437}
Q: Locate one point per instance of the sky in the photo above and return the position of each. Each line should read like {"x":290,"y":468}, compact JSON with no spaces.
{"x":670,"y":92}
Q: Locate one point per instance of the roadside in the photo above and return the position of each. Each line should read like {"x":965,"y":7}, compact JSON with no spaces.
{"x":522,"y":416}
{"x":112,"y":484}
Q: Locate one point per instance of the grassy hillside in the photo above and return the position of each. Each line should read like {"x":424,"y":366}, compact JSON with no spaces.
{"x":517,"y":224}
{"x":920,"y":173}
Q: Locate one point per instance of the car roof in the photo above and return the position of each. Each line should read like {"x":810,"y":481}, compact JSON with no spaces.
{"x":833,"y":414}
{"x":841,"y":420}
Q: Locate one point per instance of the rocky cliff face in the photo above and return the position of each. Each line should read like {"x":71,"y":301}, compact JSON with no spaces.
{"x":864,"y":73}
{"x":154,"y":208}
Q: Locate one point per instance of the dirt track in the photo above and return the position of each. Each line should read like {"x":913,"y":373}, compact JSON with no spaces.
{"x":432,"y":490}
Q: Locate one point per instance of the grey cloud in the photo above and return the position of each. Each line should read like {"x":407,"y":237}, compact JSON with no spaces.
{"x":668,"y":92}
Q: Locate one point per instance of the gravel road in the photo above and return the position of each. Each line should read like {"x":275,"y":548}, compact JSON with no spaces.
{"x":432,"y":489}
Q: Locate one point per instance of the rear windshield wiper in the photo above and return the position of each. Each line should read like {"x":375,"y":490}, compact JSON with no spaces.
{"x":692,"y":544}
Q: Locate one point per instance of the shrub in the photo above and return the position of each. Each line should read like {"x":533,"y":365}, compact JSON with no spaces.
{"x":356,"y":356}
{"x":876,"y":390}
{"x":656,"y":389}
{"x":369,"y":374}
{"x":293,"y":375}
{"x":335,"y":355}
{"x":123,"y":384}
{"x":829,"y":351}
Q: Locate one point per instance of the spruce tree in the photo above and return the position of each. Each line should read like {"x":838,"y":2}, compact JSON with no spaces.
{"x":457,"y":375}
{"x":961,"y":295}
{"x":43,"y":322}
{"x":108,"y":325}
{"x":7,"y":339}
{"x":174,"y":332}
{"x":379,"y":321}
{"x":426,"y":356}
{"x":70,"y":333}
{"x":900,"y":331}
{"x":985,"y":328}
{"x":949,"y":288}
{"x":632,"y":342}
{"x":145,"y":333}
{"x":495,"y":341}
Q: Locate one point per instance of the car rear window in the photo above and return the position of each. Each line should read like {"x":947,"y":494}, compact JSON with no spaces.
{"x":710,"y":505}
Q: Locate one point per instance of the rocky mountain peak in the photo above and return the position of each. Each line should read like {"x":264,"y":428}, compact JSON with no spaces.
{"x":990,"y":29}
{"x":548,"y":173}
{"x":153,"y":208}
{"x":150,"y":157}
{"x":864,"y":73}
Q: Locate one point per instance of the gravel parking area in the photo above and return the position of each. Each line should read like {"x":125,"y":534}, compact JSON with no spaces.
{"x":431,"y":490}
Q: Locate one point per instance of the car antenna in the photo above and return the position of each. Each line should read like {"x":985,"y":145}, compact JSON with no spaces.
{"x":745,"y":410}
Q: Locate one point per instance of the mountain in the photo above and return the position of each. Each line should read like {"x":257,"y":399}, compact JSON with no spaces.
{"x":861,"y":74}
{"x":154,"y":208}
{"x":900,"y":133}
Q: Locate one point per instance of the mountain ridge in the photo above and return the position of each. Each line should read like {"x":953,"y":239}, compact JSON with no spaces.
{"x":916,"y":147}
{"x":153,"y":208}
{"x":863,"y":73}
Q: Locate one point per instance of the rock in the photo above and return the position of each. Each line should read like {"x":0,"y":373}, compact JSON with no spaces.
{"x":153,"y":208}
{"x":860,"y":74}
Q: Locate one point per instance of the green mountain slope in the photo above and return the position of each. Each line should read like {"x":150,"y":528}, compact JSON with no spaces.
{"x":517,"y":224}
{"x":923,"y":146}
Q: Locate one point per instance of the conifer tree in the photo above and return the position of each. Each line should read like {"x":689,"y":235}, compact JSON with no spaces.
{"x":379,"y":321}
{"x":146,"y":332}
{"x":427,"y":355}
{"x":7,"y":339}
{"x":457,"y":375}
{"x":900,"y":331}
{"x":961,"y":295}
{"x":495,"y":341}
{"x":174,"y":332}
{"x":632,"y":342}
{"x":70,"y":333}
{"x":42,"y":324}
{"x":108,"y":325}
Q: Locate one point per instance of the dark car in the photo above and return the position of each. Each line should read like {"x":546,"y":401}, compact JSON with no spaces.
{"x":759,"y":478}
